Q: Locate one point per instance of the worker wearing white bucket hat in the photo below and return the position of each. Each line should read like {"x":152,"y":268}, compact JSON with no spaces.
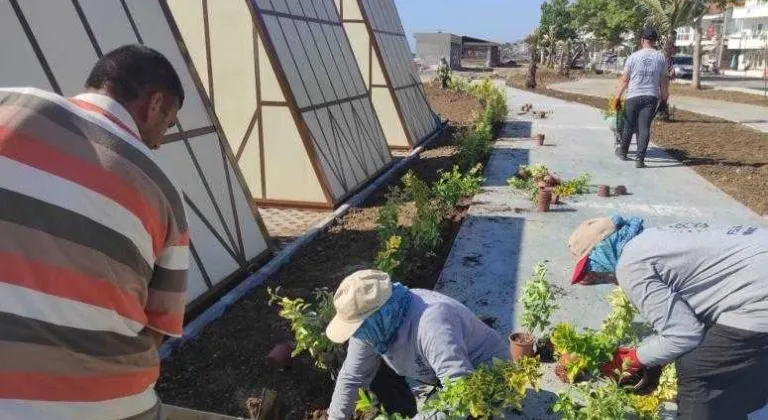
{"x":419,"y":334}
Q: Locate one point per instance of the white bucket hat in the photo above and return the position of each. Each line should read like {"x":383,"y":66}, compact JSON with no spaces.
{"x":358,"y":297}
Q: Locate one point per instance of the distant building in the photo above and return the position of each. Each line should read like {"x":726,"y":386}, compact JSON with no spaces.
{"x":748,"y":39}
{"x":460,"y":51}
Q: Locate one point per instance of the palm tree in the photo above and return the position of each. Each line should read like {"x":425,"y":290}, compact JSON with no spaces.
{"x":668,"y":15}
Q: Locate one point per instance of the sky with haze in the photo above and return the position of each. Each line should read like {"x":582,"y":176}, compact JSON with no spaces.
{"x":494,"y":20}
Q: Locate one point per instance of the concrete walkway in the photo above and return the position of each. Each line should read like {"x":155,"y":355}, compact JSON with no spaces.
{"x":502,"y":239}
{"x":750,"y":115}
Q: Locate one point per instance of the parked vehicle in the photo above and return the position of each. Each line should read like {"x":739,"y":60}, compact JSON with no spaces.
{"x":682,"y":66}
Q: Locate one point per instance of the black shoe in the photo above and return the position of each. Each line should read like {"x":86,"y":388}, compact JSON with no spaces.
{"x":640,"y":164}
{"x":619,"y":154}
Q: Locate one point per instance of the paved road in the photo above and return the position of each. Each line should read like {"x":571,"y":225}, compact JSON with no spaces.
{"x":750,"y":115}
{"x":502,"y":240}
{"x":741,"y":83}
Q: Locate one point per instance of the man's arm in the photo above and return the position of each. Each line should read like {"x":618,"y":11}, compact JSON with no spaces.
{"x":623,"y":82}
{"x":678,"y":330}
{"x":664,"y":85}
{"x":358,"y":371}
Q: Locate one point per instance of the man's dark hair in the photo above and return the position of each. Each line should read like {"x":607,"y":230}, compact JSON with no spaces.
{"x":130,"y":70}
{"x":650,"y":34}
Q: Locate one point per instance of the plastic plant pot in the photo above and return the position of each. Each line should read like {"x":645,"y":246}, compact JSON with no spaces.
{"x":603,"y":191}
{"x":521,"y":345}
{"x":280,"y":355}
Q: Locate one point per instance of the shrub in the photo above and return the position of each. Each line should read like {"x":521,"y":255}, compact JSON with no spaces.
{"x":605,"y":400}
{"x":308,"y":322}
{"x":390,"y":258}
{"x":453,"y":185}
{"x":473,"y":147}
{"x":388,"y":220}
{"x":488,"y":391}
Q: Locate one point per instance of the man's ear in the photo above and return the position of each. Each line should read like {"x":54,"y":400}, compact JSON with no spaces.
{"x":155,"y":104}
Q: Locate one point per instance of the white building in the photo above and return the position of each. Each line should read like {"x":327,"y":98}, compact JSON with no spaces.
{"x":748,"y":39}
{"x":712,"y":33}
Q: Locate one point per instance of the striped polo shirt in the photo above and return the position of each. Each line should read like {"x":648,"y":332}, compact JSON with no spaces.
{"x":93,"y":254}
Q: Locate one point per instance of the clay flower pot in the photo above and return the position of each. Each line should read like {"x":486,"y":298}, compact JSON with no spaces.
{"x":556,"y":199}
{"x":280,"y":355}
{"x":522,"y":173}
{"x":603,"y":191}
{"x":620,"y":190}
{"x":540,"y":139}
{"x":521,"y":345}
{"x":550,"y":181}
{"x":560,"y":369}
{"x":545,"y":200}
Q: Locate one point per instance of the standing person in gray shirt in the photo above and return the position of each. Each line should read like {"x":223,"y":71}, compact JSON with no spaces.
{"x":395,"y":333}
{"x":646,"y":82}
{"x":704,"y":290}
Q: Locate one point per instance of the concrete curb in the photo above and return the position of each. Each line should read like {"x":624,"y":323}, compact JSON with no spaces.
{"x":194,"y":328}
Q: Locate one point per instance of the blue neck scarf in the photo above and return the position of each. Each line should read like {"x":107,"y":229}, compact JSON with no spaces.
{"x":605,"y":256}
{"x":380,"y":329}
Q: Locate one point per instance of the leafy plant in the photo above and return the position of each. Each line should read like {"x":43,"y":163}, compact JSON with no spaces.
{"x":589,"y":349}
{"x":667,"y":389}
{"x":538,"y":301}
{"x":424,"y":234}
{"x":366,"y":404}
{"x":453,"y":185}
{"x":487,"y":391}
{"x":389,"y":258}
{"x":618,"y":325}
{"x":473,"y":147}
{"x":571,"y":187}
{"x":308,"y":322}
{"x":600,"y":400}
{"x":388,"y":220}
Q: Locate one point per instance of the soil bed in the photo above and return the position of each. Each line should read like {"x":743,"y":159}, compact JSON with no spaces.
{"x":732,"y":157}
{"x":227,"y":364}
{"x":720,"y":95}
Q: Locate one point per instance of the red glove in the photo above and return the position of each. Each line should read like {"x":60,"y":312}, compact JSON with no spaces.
{"x":617,"y":364}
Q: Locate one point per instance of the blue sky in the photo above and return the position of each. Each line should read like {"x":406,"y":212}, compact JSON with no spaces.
{"x":495,"y":20}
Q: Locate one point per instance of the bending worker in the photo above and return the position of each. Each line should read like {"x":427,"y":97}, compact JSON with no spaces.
{"x":704,"y":290}
{"x":417,"y":333}
{"x":646,"y":82}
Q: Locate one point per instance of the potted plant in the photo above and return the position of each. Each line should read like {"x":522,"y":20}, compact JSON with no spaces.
{"x":538,"y":302}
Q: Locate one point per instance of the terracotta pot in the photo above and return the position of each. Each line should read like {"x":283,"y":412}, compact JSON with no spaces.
{"x":540,"y":139}
{"x":522,"y":173}
{"x":560,"y":369}
{"x":603,"y":191}
{"x":280,"y":355}
{"x":545,"y":199}
{"x":556,"y":199}
{"x":521,"y":345}
{"x":524,"y":108}
{"x":620,"y":190}
{"x":550,"y":181}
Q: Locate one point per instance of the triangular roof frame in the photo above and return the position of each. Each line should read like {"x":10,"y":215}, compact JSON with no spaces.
{"x":408,"y":118}
{"x":323,"y":141}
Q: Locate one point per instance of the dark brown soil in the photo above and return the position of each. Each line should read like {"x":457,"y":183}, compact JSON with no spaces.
{"x":453,"y":106}
{"x":226,"y":365}
{"x":730,"y":156}
{"x":721,"y":95}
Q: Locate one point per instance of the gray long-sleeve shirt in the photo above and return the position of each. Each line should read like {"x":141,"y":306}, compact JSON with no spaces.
{"x":439,"y":339}
{"x":688,"y":276}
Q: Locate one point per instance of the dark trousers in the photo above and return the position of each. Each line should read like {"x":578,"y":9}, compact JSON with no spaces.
{"x":639,"y":116}
{"x":393,"y":392}
{"x":725,"y":378}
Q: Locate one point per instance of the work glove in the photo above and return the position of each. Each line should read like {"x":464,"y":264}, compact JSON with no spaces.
{"x":611,"y":368}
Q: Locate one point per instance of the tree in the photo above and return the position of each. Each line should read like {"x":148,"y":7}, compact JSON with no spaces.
{"x":697,"y":34}
{"x":533,"y":48}
{"x":668,"y":15}
{"x":607,"y":20}
{"x":557,"y":25}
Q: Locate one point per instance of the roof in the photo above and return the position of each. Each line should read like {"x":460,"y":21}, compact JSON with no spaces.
{"x":471,"y":40}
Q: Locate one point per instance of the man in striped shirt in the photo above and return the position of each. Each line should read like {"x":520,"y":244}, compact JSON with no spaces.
{"x":93,"y":243}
